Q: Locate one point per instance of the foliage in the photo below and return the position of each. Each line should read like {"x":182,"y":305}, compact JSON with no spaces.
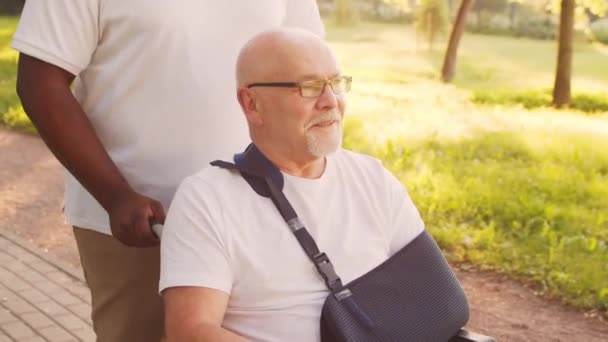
{"x":11,"y":113}
{"x":535,"y":98}
{"x":432,"y":19}
{"x":524,"y":18}
{"x":517,"y":190}
{"x":530,"y":18}
{"x":346,"y":12}
{"x":491,"y":6}
{"x":528,"y":99}
{"x":599,"y":30}
{"x":530,"y":205}
{"x":388,"y":10}
{"x":404,"y":5}
{"x":601,"y":36}
{"x":535,"y":27}
{"x":597,"y":7}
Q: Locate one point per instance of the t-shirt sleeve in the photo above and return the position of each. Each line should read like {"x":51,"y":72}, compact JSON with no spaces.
{"x":404,"y":223}
{"x":304,"y":14}
{"x":64,"y":33}
{"x":194,"y":248}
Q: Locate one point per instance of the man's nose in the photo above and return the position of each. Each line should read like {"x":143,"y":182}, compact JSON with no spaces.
{"x":327,"y":98}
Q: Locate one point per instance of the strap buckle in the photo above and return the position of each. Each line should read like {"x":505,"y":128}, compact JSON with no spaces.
{"x":327,"y":271}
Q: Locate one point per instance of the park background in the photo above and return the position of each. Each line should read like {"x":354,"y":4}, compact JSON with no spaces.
{"x":508,"y":176}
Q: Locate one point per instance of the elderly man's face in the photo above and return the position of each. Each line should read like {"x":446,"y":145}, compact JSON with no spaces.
{"x":306,"y":125}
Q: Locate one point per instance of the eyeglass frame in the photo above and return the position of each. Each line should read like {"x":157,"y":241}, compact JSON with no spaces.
{"x":298,"y":85}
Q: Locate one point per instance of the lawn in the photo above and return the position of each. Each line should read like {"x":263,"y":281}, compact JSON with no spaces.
{"x":521,"y":191}
{"x":11,"y":113}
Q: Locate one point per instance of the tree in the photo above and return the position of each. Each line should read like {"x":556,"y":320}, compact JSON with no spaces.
{"x":595,"y":7}
{"x":449,"y":62}
{"x":431,"y":19}
{"x":563,"y":74}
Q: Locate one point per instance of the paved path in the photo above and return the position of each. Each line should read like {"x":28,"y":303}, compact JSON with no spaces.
{"x":41,"y":298}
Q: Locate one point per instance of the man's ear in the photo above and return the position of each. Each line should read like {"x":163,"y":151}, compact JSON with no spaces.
{"x":250,"y":106}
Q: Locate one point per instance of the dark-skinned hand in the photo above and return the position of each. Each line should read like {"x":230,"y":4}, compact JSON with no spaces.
{"x":131,"y":215}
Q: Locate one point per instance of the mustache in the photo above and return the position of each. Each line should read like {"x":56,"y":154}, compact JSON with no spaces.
{"x":332,"y":115}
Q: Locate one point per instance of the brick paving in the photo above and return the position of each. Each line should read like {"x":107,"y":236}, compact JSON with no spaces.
{"x":41,"y":298}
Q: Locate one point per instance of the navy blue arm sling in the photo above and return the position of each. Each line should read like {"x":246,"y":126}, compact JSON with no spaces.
{"x":412,"y":296}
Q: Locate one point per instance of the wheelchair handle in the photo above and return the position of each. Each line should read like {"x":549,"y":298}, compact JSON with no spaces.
{"x":157,"y":228}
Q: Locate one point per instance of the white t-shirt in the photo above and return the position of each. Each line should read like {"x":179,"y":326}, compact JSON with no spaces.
{"x":220,"y":234}
{"x":156,"y":79}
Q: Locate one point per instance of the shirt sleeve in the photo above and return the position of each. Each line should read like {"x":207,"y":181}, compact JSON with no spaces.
{"x":404,"y":223}
{"x":64,"y":33}
{"x":304,"y":14}
{"x":194,"y":243}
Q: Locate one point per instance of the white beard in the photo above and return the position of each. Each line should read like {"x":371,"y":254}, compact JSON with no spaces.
{"x":321,"y":143}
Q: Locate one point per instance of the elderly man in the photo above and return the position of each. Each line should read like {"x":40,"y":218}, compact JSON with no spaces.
{"x":230,"y":268}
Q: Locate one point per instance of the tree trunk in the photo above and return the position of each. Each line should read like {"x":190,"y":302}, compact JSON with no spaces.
{"x":512,"y":11}
{"x":561,"y":89}
{"x":376,"y":6}
{"x":429,"y":19}
{"x":449,"y":62}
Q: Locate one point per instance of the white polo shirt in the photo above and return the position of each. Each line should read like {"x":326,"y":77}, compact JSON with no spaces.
{"x":220,"y":234}
{"x":156,"y":79}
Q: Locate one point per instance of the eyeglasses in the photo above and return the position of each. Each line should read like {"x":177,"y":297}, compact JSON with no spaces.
{"x":313,"y":88}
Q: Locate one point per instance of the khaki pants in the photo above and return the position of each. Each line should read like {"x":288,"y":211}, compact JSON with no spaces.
{"x":124,"y":288}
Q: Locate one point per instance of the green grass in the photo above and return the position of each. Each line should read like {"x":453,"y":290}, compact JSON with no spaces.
{"x":521,"y":191}
{"x":489,"y":61}
{"x":587,"y":102}
{"x":526,"y":201}
{"x":11,"y":113}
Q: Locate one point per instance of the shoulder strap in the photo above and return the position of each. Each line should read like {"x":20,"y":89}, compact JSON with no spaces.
{"x":254,"y":167}
{"x":267,"y":181}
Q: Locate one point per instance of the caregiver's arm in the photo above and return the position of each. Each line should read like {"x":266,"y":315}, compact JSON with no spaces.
{"x":44,"y":90}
